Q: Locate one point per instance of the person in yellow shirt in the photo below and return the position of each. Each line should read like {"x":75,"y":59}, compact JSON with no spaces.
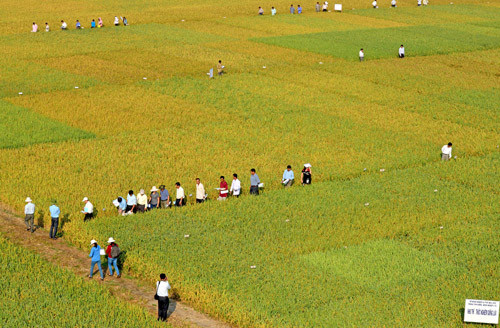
{"x":142,"y":201}
{"x":220,"y":67}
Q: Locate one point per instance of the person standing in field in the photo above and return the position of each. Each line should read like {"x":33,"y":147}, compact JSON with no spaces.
{"x":292,"y":9}
{"x":162,"y":288}
{"x":142,"y":201}
{"x":131,"y":202}
{"x":88,"y":210}
{"x":223,"y":190}
{"x":393,"y":4}
{"x":154,"y":198}
{"x":325,"y":6}
{"x":254,"y":182}
{"x":95,"y":255}
{"x":93,"y":24}
{"x":401,"y":52}
{"x":419,"y":3}
{"x":299,"y":9}
{"x":55,"y":212}
{"x":200,"y":191}
{"x":99,"y":22}
{"x":220,"y":67}
{"x":425,"y":2}
{"x":113,"y":251}
{"x":446,"y":152}
{"x":117,"y":21}
{"x":361,"y":55}
{"x":288,"y":177}
{"x":125,"y":21}
{"x":78,"y":25}
{"x":273,"y":11}
{"x":164,"y":197}
{"x":235,"y":186}
{"x":180,"y":197}
{"x":318,"y":7}
{"x":305,"y":177}
{"x":374,"y":4}
{"x":34,"y":28}
{"x":64,"y":26}
{"x":261,"y":11}
{"x":47,"y":28}
{"x":29,"y":212}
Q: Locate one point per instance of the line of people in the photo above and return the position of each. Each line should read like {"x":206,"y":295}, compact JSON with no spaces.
{"x":78,"y":25}
{"x":293,"y":11}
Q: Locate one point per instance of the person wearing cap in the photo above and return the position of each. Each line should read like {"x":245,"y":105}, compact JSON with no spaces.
{"x":288,"y":177}
{"x":401,"y":52}
{"x":112,"y":260}
{"x":223,"y":189}
{"x":200,"y":191}
{"x":254,"y":182}
{"x":164,"y":197}
{"x":88,"y":210}
{"x":131,"y":202}
{"x":142,"y":201}
{"x":446,"y":152}
{"x":180,"y":197}
{"x":235,"y":186}
{"x":162,"y":288}
{"x":55,"y":212}
{"x":29,"y":212}
{"x":154,"y":198}
{"x":305,"y":177}
{"x":95,"y":255}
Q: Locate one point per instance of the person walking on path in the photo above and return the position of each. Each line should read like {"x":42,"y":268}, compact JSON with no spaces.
{"x":288,"y":177}
{"x":223,"y":188}
{"x":180,"y":197}
{"x":162,"y":288}
{"x":131,"y":202}
{"x":361,"y":55}
{"x":254,"y":182}
{"x":55,"y":212}
{"x":200,"y":191}
{"x":88,"y":210}
{"x":47,"y":27}
{"x":446,"y":152}
{"x":95,"y":255}
{"x":154,"y":198}
{"x":164,"y":197}
{"x":64,"y":26}
{"x":113,"y":251}
{"x":29,"y":211}
{"x":305,"y":177}
{"x":235,"y":186}
{"x":142,"y":201}
{"x":401,"y":52}
{"x":393,"y":4}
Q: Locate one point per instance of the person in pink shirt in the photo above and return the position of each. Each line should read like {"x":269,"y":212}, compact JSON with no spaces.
{"x":35,"y":27}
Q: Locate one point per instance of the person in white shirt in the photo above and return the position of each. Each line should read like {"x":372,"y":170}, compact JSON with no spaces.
{"x":425,"y":2}
{"x":393,"y":3}
{"x":34,"y":28}
{"x":29,"y":211}
{"x":401,"y":52}
{"x":374,"y":4}
{"x":64,"y":26}
{"x":47,"y":28}
{"x":88,"y":209}
{"x":180,"y":199}
{"x":325,"y":6}
{"x":235,"y":186}
{"x":446,"y":152}
{"x":361,"y":55}
{"x":419,"y":3}
{"x":200,"y":191}
{"x":117,"y":21}
{"x":162,"y":288}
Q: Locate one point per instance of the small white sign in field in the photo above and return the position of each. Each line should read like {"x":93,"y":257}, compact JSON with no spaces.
{"x":481,"y":311}
{"x":337,"y":7}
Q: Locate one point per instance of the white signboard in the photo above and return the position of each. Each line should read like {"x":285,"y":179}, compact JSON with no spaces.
{"x":481,"y":311}
{"x":337,"y":7}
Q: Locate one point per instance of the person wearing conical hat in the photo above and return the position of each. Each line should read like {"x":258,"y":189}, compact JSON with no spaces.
{"x":154,"y":198}
{"x":29,"y":211}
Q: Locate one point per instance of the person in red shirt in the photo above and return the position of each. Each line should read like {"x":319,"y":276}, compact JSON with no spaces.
{"x":112,"y":261}
{"x":223,"y":191}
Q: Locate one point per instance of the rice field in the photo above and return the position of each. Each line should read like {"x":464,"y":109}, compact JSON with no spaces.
{"x":96,"y":112}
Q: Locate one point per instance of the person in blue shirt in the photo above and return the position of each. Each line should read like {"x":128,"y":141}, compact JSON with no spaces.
{"x":164,"y":197}
{"x":299,"y":9}
{"x":123,"y":205}
{"x":93,"y":24}
{"x":55,"y":212}
{"x":95,"y":255}
{"x":292,"y":9}
{"x":125,"y":22}
{"x":78,"y":25}
{"x":288,"y":177}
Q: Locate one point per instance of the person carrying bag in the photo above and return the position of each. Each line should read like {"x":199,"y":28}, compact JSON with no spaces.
{"x":161,"y":296}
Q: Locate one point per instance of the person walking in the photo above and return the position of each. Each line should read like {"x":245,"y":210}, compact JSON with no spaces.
{"x":117,"y":21}
{"x":95,"y":255}
{"x":180,"y":198}
{"x":419,"y":3}
{"x":235,"y":186}
{"x":125,"y":21}
{"x":401,"y":52}
{"x":88,"y":210}
{"x":446,"y":152}
{"x":318,"y":7}
{"x":374,"y":4}
{"x":223,"y":189}
{"x":254,"y":182}
{"x":200,"y":192}
{"x":325,"y":6}
{"x":292,"y":9}
{"x":273,"y":11}
{"x":288,"y":177}
{"x":131,"y":202}
{"x":299,"y":9}
{"x":220,"y":67}
{"x":64,"y":26}
{"x":29,"y":212}
{"x":154,"y":198}
{"x":142,"y":201}
{"x":55,"y":212}
{"x":164,"y":197}
{"x":113,"y":252}
{"x":47,"y":27}
{"x":305,"y":177}
{"x":361,"y":55}
{"x":34,"y":28}
{"x":162,"y":288}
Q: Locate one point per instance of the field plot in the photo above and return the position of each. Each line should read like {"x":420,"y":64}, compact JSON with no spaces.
{"x":96,"y":112}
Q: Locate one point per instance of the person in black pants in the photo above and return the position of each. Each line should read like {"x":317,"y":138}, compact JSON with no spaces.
{"x":162,"y":288}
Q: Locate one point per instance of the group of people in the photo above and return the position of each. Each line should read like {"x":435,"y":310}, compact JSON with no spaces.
{"x":401,"y":53}
{"x":112,"y":252}
{"x":297,"y":10}
{"x":394,"y":4}
{"x":78,"y":25}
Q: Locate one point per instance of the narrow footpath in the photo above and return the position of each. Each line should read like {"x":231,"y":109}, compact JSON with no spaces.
{"x":66,"y":256}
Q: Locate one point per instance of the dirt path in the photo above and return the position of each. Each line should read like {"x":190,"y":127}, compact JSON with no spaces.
{"x":66,"y":256}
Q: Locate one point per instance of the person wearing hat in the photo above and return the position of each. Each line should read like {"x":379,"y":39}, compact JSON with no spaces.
{"x":54,"y":214}
{"x":113,"y":251}
{"x":142,"y":201}
{"x":223,"y":189}
{"x":154,"y":198}
{"x":305,"y":177}
{"x":164,"y":197}
{"x":88,"y":210}
{"x":29,"y":211}
{"x":95,"y":255}
{"x":288,"y":177}
{"x":200,"y":191}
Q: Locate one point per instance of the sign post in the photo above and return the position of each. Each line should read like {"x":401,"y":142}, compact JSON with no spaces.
{"x":481,"y":311}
